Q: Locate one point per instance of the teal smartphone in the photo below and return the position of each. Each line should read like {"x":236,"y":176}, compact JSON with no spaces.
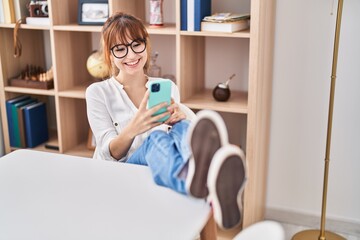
{"x":160,"y":91}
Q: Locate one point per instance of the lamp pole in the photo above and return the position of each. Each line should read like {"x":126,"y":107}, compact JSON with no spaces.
{"x":322,"y":234}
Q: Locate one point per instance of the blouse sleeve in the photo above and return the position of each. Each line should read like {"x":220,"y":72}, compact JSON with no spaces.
{"x":100,"y":121}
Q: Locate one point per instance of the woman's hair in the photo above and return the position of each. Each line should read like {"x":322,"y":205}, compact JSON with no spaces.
{"x":119,"y":28}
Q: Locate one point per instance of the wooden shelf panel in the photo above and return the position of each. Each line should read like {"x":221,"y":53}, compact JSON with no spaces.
{"x":53,"y":140}
{"x":237,"y":103}
{"x":77,"y":28}
{"x":242,"y":34}
{"x":25,"y":26}
{"x":75,"y":92}
{"x":167,"y":29}
{"x":50,"y":92}
{"x":80,"y":150}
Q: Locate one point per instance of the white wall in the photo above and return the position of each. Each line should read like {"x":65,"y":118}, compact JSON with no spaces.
{"x":304,"y":39}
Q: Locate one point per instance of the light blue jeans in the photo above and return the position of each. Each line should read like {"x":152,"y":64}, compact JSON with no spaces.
{"x":165,"y":154}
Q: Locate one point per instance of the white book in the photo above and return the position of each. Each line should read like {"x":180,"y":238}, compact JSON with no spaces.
{"x":2,"y":17}
{"x":42,"y":21}
{"x":227,"y":27}
{"x":20,"y":9}
{"x":191,"y":15}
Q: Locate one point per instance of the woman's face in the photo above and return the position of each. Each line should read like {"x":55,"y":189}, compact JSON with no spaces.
{"x":130,"y":57}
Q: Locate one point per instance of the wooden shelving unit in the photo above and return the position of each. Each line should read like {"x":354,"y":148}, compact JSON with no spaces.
{"x":71,"y":44}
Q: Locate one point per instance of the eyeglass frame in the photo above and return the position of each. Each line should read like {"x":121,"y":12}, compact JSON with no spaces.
{"x":127,"y":47}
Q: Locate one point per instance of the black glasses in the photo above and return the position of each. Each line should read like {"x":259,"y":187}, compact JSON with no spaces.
{"x":121,"y":50}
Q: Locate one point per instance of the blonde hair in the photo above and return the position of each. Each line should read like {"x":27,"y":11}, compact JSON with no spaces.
{"x":118,"y":29}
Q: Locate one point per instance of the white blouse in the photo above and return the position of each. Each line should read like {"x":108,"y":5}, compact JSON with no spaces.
{"x":109,"y":110}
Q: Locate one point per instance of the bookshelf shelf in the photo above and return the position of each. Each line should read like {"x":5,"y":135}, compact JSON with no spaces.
{"x":204,"y":100}
{"x":50,"y":92}
{"x":77,"y":28}
{"x":194,"y":58}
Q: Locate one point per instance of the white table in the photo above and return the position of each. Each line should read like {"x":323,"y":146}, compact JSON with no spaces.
{"x":48,"y":196}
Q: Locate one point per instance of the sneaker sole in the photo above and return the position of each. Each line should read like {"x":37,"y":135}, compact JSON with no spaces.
{"x":226,"y":182}
{"x":203,"y":147}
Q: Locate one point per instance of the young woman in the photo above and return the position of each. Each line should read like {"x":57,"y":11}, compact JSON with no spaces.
{"x":178,"y":153}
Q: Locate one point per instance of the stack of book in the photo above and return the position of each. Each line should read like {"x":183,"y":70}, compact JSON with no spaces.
{"x":225,"y":22}
{"x":27,"y":122}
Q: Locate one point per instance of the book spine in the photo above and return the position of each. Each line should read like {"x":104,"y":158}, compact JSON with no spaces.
{"x":190,"y":15}
{"x":183,"y":15}
{"x":9,"y":13}
{"x":20,"y":9}
{"x":9,"y":105}
{"x":21,"y":127}
{"x":16,"y":130}
{"x":10,"y":123}
{"x":36,"y":127}
{"x":202,"y":8}
{"x":2,"y":18}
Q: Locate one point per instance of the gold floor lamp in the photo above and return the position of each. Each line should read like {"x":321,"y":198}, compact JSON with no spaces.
{"x":322,"y":234}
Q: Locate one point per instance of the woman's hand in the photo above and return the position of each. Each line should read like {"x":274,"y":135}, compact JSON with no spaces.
{"x":144,"y":119}
{"x":176,"y":114}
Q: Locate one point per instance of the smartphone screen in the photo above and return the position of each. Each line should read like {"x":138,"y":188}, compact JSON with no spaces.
{"x":160,"y":91}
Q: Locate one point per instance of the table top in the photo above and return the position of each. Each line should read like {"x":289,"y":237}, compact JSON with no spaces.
{"x":49,"y":196}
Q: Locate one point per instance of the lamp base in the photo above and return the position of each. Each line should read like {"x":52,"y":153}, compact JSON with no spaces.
{"x":315,"y":235}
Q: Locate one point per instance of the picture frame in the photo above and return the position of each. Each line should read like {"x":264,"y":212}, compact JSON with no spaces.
{"x":93,"y":12}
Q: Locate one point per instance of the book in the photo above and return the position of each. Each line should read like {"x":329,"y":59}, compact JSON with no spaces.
{"x":226,"y":17}
{"x":15,"y":117}
{"x":8,"y":9}
{"x":202,"y":8}
{"x":183,"y":15}
{"x":20,"y":9}
{"x":9,"y":104}
{"x":21,"y":121}
{"x":2,"y":17}
{"x":40,"y":21}
{"x":190,"y":15}
{"x":227,"y":27}
{"x":36,"y":125}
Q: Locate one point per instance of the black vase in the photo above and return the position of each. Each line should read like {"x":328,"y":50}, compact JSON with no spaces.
{"x":221,"y":92}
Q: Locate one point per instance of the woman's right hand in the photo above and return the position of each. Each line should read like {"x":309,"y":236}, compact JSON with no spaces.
{"x":144,"y":119}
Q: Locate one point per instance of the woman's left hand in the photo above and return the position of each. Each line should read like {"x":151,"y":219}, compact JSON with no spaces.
{"x":176,"y":114}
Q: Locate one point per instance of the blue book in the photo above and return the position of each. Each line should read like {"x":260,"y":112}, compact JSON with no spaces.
{"x":183,"y":15}
{"x":36,"y":125}
{"x":9,"y":103}
{"x":202,"y":8}
{"x":15,"y":118}
{"x":22,"y":123}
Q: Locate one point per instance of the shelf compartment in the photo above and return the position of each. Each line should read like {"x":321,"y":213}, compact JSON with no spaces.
{"x":80,"y":150}
{"x":238,"y":102}
{"x":33,"y":51}
{"x":76,"y":91}
{"x":72,"y":50}
{"x":51,"y":118}
{"x":74,"y":126}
